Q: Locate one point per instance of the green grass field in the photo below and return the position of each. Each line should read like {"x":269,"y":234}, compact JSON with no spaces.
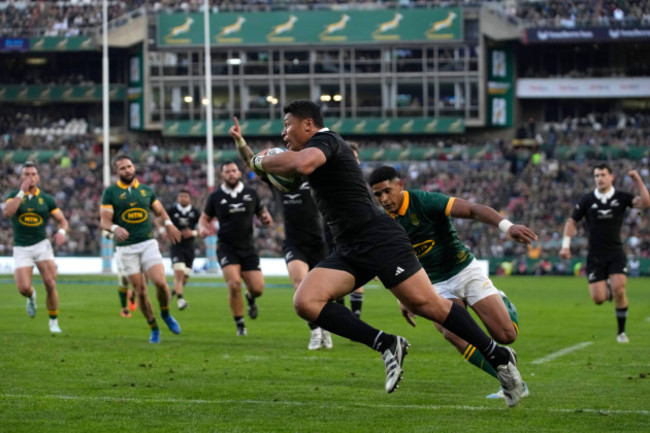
{"x":102,"y":375}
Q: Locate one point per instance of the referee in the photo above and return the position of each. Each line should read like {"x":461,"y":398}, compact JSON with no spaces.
{"x":603,"y":211}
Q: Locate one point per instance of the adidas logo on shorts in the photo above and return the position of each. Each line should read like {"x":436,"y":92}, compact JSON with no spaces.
{"x":398,"y":271}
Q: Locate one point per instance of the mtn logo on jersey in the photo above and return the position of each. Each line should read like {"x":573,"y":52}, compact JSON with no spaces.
{"x":423,"y":247}
{"x":30,"y":219}
{"x":135,"y":215}
{"x":236,"y":208}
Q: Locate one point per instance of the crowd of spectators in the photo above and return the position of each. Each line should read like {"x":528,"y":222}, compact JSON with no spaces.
{"x":587,"y":13}
{"x":540,"y":195}
{"x":79,"y":17}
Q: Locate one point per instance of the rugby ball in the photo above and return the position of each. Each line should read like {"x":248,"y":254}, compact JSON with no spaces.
{"x":283,"y":183}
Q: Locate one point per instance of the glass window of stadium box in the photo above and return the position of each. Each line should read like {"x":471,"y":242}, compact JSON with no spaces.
{"x":450,"y":59}
{"x":369,"y":100}
{"x":451,"y":97}
{"x":176,"y":64}
{"x":196,"y":64}
{"x":367,"y":61}
{"x":258,"y":101}
{"x":296,"y":62}
{"x":155,"y":104}
{"x":408,"y":99}
{"x":327,"y":62}
{"x":219,"y":62}
{"x":330,"y":99}
{"x":176,"y":107}
{"x":296,"y":91}
{"x":408,"y":59}
{"x":256,"y":62}
{"x":220,"y":98}
{"x":155,"y":63}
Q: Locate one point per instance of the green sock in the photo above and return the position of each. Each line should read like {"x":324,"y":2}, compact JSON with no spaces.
{"x":122,"y":292}
{"x":512,"y":311}
{"x":474,"y":357}
{"x":153,"y":325}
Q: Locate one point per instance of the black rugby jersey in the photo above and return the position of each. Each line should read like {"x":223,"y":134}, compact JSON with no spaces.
{"x":338,"y":187}
{"x":303,"y":223}
{"x":235,"y":214}
{"x":603,"y":220}
{"x":184,"y":220}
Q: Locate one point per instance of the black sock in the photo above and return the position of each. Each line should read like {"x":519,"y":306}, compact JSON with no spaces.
{"x":356,"y":301}
{"x":461,"y":323}
{"x":239,"y":321}
{"x":338,"y":319}
{"x":312,"y":326}
{"x":179,"y":296}
{"x":621,"y":317}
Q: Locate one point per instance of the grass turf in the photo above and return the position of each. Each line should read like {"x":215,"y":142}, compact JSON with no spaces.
{"x":101,"y":374}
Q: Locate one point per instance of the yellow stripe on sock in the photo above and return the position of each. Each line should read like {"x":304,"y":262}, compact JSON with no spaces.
{"x":53,"y":312}
{"x":122,"y":289}
{"x":516,"y":328}
{"x":164,"y":308}
{"x":469,"y":352}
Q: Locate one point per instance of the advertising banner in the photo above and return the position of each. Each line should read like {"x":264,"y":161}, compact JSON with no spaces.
{"x":500,"y":94}
{"x":309,"y":27}
{"x":58,"y":93}
{"x":533,"y":88}
{"x":585,"y":34}
{"x":358,"y":126}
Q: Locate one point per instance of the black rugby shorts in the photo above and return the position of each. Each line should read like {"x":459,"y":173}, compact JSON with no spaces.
{"x":379,"y":248}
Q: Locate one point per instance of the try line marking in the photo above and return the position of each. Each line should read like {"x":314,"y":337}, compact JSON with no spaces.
{"x":561,"y":352}
{"x":327,"y":405}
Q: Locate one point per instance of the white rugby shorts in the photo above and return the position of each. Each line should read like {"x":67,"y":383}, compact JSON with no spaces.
{"x":471,"y":285}
{"x":133,"y":259}
{"x":26,"y":257}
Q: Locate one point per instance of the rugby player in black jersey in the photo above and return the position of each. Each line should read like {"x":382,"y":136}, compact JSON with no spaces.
{"x":304,"y":245}
{"x":603,"y":211}
{"x":185,"y":217}
{"x":367,"y":243}
{"x":234,"y":205}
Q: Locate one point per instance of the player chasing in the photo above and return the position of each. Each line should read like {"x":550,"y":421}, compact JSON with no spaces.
{"x":603,"y":210}
{"x":126,"y":295}
{"x":185,"y":218}
{"x":450,"y":265}
{"x":126,"y":212}
{"x":30,"y":209}
{"x":368,"y":243}
{"x":304,"y":244}
{"x":234,"y":205}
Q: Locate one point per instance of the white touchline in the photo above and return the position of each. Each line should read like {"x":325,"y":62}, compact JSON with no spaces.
{"x":323,"y":404}
{"x":562,"y":352}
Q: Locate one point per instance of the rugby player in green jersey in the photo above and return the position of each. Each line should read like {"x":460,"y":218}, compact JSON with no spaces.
{"x":30,"y":209}
{"x":126,"y":212}
{"x":450,"y":265}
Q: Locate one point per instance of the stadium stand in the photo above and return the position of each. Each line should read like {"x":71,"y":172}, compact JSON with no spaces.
{"x":518,"y":168}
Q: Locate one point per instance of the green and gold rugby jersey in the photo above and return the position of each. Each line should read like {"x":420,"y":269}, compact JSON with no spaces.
{"x":131,"y":208}
{"x":425,"y":217}
{"x":30,"y":220}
